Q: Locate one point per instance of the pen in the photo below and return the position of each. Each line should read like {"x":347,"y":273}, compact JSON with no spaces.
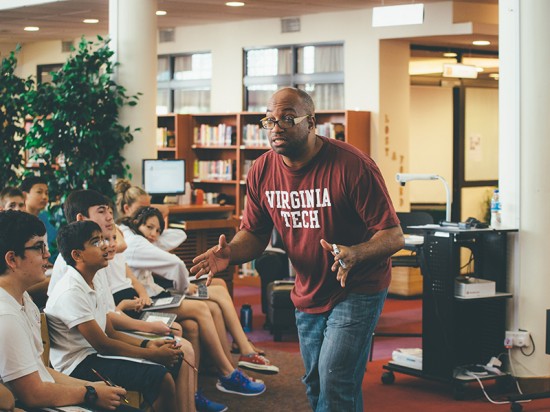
{"x":109,"y":383}
{"x":191,"y":365}
{"x":336,"y":251}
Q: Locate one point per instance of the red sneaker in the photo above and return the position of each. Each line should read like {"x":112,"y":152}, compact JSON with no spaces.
{"x":258,"y":363}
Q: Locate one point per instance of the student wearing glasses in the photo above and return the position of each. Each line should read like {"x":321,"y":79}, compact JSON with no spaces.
{"x":319,"y":192}
{"x":24,"y":256}
{"x":81,"y":331}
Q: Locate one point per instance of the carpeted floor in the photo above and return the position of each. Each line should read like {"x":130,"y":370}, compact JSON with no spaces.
{"x":285,"y":391}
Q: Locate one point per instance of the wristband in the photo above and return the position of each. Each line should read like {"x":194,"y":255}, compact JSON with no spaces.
{"x":144,"y":343}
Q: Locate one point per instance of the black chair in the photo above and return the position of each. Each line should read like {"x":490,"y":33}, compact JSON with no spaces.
{"x":274,"y":268}
{"x":272,"y":265}
{"x":412,"y":260}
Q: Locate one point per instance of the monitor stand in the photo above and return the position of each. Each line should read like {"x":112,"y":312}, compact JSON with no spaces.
{"x":157,"y":199}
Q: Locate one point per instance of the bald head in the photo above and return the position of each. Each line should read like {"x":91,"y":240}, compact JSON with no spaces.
{"x":304,"y":98}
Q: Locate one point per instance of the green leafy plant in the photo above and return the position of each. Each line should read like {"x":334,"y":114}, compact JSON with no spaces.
{"x":76,"y":134}
{"x":12,"y":113}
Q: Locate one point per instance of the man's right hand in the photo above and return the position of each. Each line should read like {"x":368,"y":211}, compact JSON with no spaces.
{"x":213,"y":261}
{"x":108,"y":397}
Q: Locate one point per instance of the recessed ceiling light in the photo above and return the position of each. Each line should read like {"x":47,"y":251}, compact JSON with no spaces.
{"x":481,"y":43}
{"x":494,"y":76}
{"x":449,"y":54}
{"x":31,"y":28}
{"x":234,"y":4}
{"x":90,"y":21}
{"x":161,"y":13}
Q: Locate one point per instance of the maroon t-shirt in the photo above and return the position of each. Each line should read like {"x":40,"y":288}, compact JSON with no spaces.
{"x":340,"y":196}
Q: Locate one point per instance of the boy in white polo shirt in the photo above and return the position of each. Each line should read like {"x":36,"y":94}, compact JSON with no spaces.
{"x":24,"y":256}
{"x":80,"y":329}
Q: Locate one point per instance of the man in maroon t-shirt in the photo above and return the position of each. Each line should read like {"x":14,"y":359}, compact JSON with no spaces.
{"x":330,"y":204}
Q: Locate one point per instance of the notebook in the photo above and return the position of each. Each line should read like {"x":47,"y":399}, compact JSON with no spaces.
{"x":172,"y":301}
{"x":166,"y":318}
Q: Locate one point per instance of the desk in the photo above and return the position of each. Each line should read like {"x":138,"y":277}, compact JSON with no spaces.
{"x":200,"y":212}
{"x":458,"y":332}
{"x":204,"y":224}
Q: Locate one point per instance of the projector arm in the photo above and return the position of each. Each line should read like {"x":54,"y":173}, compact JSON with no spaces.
{"x":403,"y":178}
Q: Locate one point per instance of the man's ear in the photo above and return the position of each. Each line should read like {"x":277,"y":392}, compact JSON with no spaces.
{"x":80,"y":217}
{"x":311,"y":121}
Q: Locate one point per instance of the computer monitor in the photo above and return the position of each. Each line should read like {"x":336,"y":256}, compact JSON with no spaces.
{"x":163,"y":177}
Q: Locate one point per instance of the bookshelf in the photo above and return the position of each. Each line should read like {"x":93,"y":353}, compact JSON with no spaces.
{"x":170,"y":138}
{"x":221,"y":147}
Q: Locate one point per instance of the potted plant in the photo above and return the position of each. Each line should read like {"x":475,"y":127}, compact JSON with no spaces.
{"x":76,"y":127}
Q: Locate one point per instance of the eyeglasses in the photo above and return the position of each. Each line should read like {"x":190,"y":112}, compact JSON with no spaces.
{"x":100,"y":243}
{"x":39,"y":247}
{"x":284,"y":123}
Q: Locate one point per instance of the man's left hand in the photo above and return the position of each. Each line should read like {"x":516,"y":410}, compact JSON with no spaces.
{"x":346,"y":255}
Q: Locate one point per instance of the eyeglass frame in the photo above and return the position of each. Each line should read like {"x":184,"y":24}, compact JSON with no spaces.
{"x":295,"y":121}
{"x":41,"y":247}
{"x":100,"y":243}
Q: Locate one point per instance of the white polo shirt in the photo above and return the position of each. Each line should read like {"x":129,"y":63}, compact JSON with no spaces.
{"x":20,"y":339}
{"x":72,"y":302}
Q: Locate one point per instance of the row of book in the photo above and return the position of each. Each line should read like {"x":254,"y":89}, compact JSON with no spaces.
{"x":165,"y":137}
{"x":214,"y":169}
{"x":220,"y":135}
{"x":255,"y":136}
{"x":332,"y":130}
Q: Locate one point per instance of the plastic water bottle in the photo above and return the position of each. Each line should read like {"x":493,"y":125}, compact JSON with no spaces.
{"x":246,"y":317}
{"x":496,"y":210}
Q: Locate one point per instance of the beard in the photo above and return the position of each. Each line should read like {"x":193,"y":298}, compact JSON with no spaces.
{"x":293,"y":146}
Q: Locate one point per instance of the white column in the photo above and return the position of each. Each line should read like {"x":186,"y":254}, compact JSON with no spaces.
{"x":525,"y":167}
{"x":133,"y":33}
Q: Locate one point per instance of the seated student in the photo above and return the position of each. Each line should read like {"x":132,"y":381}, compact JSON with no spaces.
{"x":80,"y":329}
{"x":23,"y":259}
{"x":11,"y":198}
{"x":132,"y":306}
{"x":36,"y":193}
{"x":83,"y":205}
{"x":129,"y":198}
{"x":92,"y":205}
{"x":129,"y":294}
{"x":144,"y":258}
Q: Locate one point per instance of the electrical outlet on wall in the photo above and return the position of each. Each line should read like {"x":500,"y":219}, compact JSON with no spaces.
{"x":517,"y":339}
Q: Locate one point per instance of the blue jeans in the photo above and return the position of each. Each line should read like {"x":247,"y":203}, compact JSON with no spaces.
{"x":335,"y":347}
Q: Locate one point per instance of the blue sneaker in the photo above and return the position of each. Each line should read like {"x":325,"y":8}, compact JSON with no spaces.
{"x":240,"y":384}
{"x":204,"y":405}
